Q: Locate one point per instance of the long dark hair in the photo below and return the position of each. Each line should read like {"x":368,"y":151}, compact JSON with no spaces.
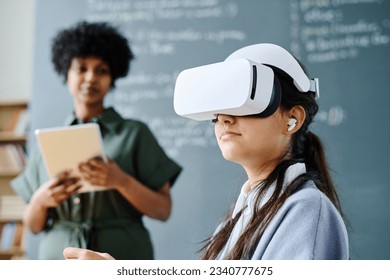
{"x":305,"y":147}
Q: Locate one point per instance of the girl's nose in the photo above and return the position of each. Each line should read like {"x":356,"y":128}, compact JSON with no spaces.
{"x":226,"y":119}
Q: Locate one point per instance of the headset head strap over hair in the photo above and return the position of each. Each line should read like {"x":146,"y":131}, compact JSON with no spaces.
{"x":242,"y":85}
{"x":274,"y":55}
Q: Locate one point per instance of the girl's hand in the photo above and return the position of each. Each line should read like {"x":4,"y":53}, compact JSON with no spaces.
{"x":71,"y":253}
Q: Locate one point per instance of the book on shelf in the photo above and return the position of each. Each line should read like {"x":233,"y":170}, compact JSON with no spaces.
{"x":18,"y":241}
{"x":14,"y":121}
{"x":12,"y":158}
{"x":11,"y":236}
{"x":7,"y":236}
{"x":11,"y":207}
{"x":21,"y":126}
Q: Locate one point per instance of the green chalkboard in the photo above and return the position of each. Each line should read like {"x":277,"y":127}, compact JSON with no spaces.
{"x":346,"y":43}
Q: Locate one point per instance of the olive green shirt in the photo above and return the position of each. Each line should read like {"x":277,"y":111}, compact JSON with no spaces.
{"x":104,"y":221}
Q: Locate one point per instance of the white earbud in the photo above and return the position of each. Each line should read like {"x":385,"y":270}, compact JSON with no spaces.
{"x":291,"y":124}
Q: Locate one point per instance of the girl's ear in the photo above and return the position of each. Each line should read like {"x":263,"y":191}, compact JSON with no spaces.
{"x":295,"y":117}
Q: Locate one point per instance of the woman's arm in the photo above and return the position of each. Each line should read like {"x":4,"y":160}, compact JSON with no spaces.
{"x":154,"y":204}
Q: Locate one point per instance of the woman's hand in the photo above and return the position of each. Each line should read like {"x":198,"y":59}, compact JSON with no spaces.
{"x":55,"y":191}
{"x":98,"y":172}
{"x":71,"y":253}
{"x":49,"y":195}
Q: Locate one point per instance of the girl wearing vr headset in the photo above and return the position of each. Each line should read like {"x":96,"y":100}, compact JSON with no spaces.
{"x":288,"y":208}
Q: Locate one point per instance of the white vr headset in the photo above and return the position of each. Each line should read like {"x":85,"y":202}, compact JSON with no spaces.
{"x":241,"y":85}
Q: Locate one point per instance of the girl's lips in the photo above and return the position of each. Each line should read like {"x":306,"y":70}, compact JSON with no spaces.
{"x":228,"y":134}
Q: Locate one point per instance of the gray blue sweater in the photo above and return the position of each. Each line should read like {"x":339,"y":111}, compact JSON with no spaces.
{"x":307,"y":227}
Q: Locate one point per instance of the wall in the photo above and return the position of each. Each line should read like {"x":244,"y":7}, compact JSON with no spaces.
{"x":16,"y":51}
{"x":344,"y":42}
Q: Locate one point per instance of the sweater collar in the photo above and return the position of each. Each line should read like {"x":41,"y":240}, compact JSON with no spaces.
{"x":247,"y":198}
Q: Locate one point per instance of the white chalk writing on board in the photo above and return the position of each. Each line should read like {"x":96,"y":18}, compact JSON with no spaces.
{"x":321,"y":32}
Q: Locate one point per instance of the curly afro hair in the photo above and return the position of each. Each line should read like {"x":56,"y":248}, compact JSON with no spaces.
{"x":98,"y":39}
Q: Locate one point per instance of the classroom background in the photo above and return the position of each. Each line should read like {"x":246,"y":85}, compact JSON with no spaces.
{"x":346,"y":43}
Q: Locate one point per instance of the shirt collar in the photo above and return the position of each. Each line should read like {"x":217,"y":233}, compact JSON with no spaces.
{"x":109,"y":119}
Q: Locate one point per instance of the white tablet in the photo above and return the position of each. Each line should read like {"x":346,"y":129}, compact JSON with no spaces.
{"x":63,"y":148}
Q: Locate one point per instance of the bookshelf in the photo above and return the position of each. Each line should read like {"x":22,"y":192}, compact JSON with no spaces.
{"x":11,"y":239}
{"x":14,"y":124}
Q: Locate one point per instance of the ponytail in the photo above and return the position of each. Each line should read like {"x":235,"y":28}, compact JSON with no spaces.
{"x":316,"y":162}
